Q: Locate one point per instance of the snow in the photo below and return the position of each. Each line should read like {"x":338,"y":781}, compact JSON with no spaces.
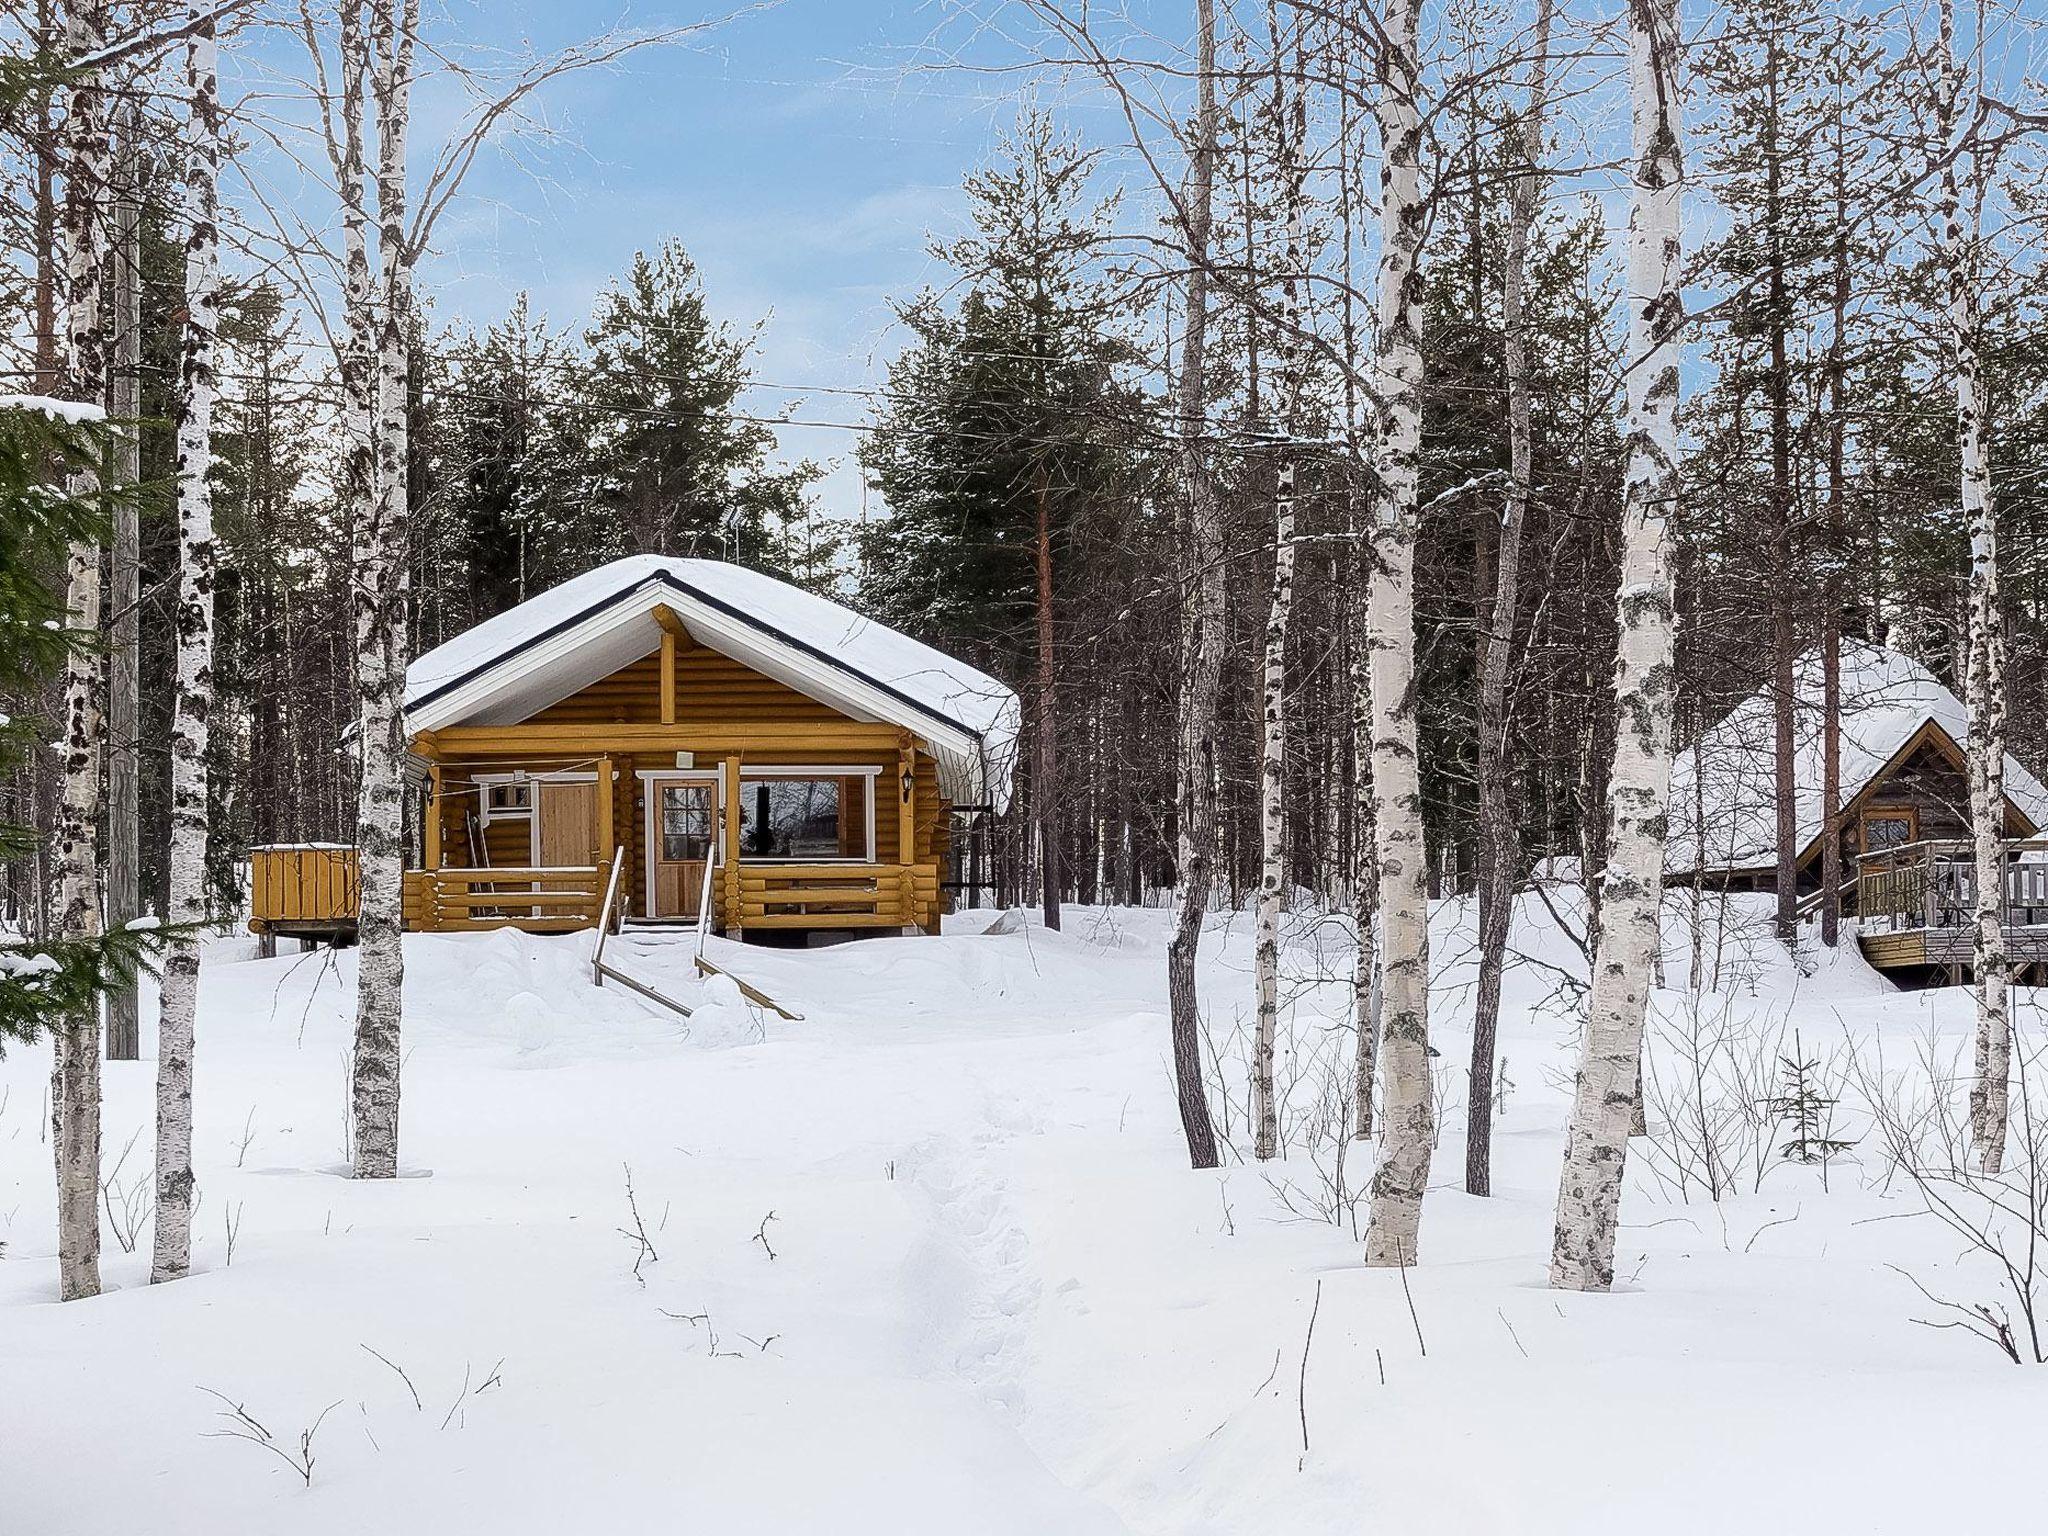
{"x":822,"y":643}
{"x":1886,"y":697}
{"x":72,"y":411}
{"x":997,"y":1301}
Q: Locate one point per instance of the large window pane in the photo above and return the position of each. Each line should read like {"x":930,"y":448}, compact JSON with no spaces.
{"x":804,"y":819}
{"x":685,"y":823}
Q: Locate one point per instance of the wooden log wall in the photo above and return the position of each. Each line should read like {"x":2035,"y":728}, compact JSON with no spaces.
{"x":710,"y":688}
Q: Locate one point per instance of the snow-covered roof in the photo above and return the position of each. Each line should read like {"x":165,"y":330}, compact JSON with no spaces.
{"x":511,"y":667}
{"x":1886,"y":699}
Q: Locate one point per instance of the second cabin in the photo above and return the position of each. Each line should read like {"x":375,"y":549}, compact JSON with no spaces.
{"x":723,"y":747}
{"x":1901,"y":825}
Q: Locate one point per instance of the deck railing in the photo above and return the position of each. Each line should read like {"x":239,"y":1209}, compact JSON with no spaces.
{"x":835,"y":895}
{"x":471,"y":900}
{"x":309,"y":884}
{"x":1933,"y":885}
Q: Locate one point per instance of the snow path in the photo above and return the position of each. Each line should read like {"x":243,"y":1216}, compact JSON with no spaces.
{"x":998,"y":1302}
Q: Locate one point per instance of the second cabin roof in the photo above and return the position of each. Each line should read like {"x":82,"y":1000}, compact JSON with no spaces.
{"x":1887,"y":699}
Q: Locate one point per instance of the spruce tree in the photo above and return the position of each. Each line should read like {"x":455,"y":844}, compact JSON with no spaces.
{"x":45,"y":981}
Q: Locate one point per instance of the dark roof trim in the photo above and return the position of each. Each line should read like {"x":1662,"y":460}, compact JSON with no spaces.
{"x":664,"y":579}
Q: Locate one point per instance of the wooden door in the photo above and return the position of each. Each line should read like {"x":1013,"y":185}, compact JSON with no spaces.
{"x":683,"y":842}
{"x":567,"y":816}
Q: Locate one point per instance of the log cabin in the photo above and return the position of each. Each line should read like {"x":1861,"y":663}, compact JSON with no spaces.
{"x":675,"y":741}
{"x":1903,"y":822}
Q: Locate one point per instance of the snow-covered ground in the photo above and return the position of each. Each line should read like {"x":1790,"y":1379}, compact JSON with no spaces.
{"x":931,"y":1261}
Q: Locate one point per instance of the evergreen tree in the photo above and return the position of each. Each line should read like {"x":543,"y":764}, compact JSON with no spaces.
{"x":47,"y":981}
{"x":672,"y":464}
{"x":1005,"y":424}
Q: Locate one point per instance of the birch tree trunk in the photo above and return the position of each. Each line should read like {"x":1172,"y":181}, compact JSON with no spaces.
{"x":1500,"y":841}
{"x":380,"y":630}
{"x":1201,"y":637}
{"x":1289,"y":127}
{"x":172,"y":1255}
{"x":75,"y":1060}
{"x":1365,"y":909}
{"x":124,"y":403}
{"x":1609,"y":1078}
{"x":1985,"y":674}
{"x":1402,"y":1171}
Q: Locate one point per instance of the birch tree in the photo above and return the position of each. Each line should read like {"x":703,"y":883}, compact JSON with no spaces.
{"x":1289,"y":127}
{"x":1402,"y":1171}
{"x":194,"y":627}
{"x":75,"y":1064}
{"x":380,"y":568}
{"x":1632,"y":885}
{"x":1500,"y":839}
{"x":1984,"y":685}
{"x":1201,"y":629}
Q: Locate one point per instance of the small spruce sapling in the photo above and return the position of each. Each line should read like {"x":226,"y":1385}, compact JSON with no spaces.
{"x":1806,"y":1110}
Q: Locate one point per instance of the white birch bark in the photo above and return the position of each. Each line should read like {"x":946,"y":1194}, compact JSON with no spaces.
{"x":75,"y":1062}
{"x":1289,"y":125}
{"x":1624,"y":962}
{"x":124,"y":404}
{"x":1402,"y":1171}
{"x":172,"y":1255}
{"x":381,"y":630}
{"x":1984,"y":676}
{"x":1201,"y":636}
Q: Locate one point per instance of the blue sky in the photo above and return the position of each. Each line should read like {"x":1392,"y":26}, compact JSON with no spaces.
{"x":800,"y":154}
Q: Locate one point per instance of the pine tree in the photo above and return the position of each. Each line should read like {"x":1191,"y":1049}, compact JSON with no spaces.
{"x":1004,"y":426}
{"x":673,"y":464}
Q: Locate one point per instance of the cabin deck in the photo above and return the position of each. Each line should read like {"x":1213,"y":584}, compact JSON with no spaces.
{"x":314,"y":893}
{"x":1917,"y":907}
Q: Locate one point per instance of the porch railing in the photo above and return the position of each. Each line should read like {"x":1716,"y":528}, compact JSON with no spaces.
{"x":835,"y":895}
{"x":305,"y":884}
{"x":1933,"y":885}
{"x":451,"y":900}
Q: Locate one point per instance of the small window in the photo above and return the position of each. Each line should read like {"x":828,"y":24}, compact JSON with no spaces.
{"x":508,"y":799}
{"x":1889,"y":829}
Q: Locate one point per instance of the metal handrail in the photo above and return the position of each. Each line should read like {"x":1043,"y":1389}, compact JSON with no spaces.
{"x":604,"y":917}
{"x":704,"y":907}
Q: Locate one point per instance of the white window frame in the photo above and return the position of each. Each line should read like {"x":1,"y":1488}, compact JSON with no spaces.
{"x":869,"y":771}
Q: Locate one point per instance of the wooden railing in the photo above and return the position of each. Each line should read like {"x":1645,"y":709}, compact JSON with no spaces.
{"x":1933,"y":885}
{"x":473,"y":900}
{"x":834,"y":895}
{"x":309,"y":884}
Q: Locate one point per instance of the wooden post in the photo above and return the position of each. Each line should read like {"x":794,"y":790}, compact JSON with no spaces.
{"x":668,"y":678}
{"x":607,"y":830}
{"x":433,"y":837}
{"x":671,"y":631}
{"x":730,"y":828}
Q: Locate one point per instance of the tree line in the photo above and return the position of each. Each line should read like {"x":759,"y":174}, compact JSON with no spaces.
{"x":1369,"y":462}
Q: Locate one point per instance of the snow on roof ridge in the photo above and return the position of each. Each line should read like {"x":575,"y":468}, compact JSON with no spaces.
{"x":1887,"y":696}
{"x":863,"y":645}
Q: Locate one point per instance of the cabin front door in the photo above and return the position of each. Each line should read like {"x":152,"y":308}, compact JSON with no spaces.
{"x":682,"y":843}
{"x":565,"y":823}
